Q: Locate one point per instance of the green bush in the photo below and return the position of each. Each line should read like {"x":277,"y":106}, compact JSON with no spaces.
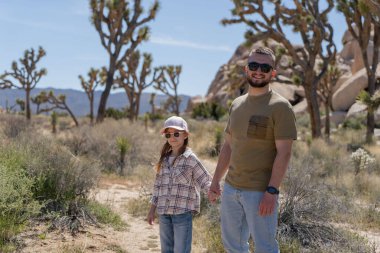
{"x":17,"y":204}
{"x":116,"y":113}
{"x":353,"y":123}
{"x":105,"y":215}
{"x":209,"y":111}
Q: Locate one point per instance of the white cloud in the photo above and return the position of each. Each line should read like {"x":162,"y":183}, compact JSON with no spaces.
{"x":189,"y":44}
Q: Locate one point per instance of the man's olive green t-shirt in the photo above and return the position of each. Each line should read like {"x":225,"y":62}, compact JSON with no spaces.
{"x":255,"y":122}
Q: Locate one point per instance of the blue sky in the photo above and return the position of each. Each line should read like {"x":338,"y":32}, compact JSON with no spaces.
{"x":185,"y":32}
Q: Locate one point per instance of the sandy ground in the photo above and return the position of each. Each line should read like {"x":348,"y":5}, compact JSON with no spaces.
{"x":138,"y":237}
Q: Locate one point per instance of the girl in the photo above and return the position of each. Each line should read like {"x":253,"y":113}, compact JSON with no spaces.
{"x":180,"y":175}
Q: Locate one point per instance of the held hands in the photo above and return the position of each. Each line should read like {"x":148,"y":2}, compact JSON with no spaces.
{"x":214,"y":192}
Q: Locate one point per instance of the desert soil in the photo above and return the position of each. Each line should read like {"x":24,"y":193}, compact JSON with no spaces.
{"x":138,"y":237}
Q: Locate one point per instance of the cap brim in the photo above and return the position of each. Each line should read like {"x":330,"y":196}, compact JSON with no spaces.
{"x":175,"y":127}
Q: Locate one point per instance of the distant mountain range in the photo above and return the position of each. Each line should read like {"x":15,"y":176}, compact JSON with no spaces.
{"x":78,"y":102}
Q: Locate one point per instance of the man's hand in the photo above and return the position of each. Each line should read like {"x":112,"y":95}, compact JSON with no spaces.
{"x":267,"y":204}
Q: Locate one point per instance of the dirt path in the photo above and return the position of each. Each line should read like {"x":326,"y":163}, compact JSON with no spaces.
{"x":140,"y":236}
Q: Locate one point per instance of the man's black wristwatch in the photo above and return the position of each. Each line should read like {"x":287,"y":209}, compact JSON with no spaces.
{"x":273,"y":190}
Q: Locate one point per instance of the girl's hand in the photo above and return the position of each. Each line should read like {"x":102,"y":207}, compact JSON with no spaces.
{"x":150,"y":218}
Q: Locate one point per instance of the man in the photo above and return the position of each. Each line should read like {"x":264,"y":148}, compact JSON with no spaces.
{"x":256,"y":153}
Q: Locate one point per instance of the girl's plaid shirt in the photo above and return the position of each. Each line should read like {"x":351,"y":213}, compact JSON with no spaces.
{"x":177,"y":188}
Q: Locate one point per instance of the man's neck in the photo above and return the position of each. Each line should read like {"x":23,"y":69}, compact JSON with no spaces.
{"x":253,"y":91}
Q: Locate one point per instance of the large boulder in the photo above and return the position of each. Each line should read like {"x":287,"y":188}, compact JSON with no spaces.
{"x":289,"y":91}
{"x":301,"y":107}
{"x":346,"y":95}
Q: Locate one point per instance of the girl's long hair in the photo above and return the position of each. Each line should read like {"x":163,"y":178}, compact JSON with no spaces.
{"x":167,"y":150}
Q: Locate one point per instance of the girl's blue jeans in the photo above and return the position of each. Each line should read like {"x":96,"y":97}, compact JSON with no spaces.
{"x":240,"y":218}
{"x":176,"y":232}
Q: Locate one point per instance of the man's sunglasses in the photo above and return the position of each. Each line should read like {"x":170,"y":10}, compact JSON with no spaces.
{"x":264,"y":67}
{"x":175,"y":134}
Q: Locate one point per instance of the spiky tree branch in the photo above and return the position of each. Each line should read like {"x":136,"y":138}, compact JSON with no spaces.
{"x":95,"y":77}
{"x":310,"y":22}
{"x":55,"y":103}
{"x":121,"y":29}
{"x":167,"y":83}
{"x":26,"y":76}
{"x":133,"y":78}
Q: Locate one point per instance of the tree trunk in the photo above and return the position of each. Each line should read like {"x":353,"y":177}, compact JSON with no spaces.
{"x":72,"y":116}
{"x":104,"y":97}
{"x":327,"y":121}
{"x":313,"y":108}
{"x":27,"y":104}
{"x":92,"y":109}
{"x":137,"y":111}
{"x":372,"y":85}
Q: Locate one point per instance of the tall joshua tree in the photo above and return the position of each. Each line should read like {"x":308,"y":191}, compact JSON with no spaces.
{"x":89,"y":86}
{"x":121,"y":29}
{"x":362,"y":17}
{"x":133,"y":78}
{"x":26,"y":76}
{"x":308,"y":20}
{"x":167,"y":83}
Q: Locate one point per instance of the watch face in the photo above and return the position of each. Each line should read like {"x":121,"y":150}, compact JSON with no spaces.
{"x":272,"y":190}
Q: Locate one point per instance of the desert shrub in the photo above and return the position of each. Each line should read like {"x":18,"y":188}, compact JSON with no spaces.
{"x":99,"y":143}
{"x":13,"y":125}
{"x":116,"y":113}
{"x":305,"y":209}
{"x":353,"y":123}
{"x":362,"y":161}
{"x":58,"y":176}
{"x":139,"y":207}
{"x":105,"y":215}
{"x":17,"y":204}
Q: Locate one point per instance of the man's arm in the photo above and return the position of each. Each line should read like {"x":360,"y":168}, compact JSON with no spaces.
{"x":221,"y":168}
{"x":280,"y":165}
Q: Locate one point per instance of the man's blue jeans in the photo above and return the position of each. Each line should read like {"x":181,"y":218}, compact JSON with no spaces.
{"x":240,"y":219}
{"x":176,"y":232}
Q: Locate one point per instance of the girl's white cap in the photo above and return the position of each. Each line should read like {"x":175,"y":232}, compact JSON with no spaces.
{"x":176,"y":123}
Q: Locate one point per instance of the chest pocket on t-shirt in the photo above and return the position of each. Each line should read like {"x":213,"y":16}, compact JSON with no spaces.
{"x":257,"y":127}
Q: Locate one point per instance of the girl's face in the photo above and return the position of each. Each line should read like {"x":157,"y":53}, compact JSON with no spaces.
{"x":175,"y":137}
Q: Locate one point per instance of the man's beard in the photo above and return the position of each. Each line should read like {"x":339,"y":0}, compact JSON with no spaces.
{"x":254,"y":84}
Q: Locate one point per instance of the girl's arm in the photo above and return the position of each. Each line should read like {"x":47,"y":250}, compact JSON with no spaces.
{"x":202,"y":177}
{"x":154,"y":199}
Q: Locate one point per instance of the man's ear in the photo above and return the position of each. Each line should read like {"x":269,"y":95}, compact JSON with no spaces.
{"x":274,"y":73}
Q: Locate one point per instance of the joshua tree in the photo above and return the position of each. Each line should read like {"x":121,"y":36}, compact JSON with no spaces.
{"x":362,"y":18}
{"x":152,"y":105}
{"x":94,"y":79}
{"x":133,"y":78}
{"x":325,"y":89}
{"x":56,"y":103}
{"x":308,"y":20}
{"x":26,"y":76}
{"x":121,"y":29}
{"x":54,"y":120}
{"x":167,"y":83}
{"x":123,"y":147}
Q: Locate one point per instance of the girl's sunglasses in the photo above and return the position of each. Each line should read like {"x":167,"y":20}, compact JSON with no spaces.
{"x":175,"y":134}
{"x":254,"y":66}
